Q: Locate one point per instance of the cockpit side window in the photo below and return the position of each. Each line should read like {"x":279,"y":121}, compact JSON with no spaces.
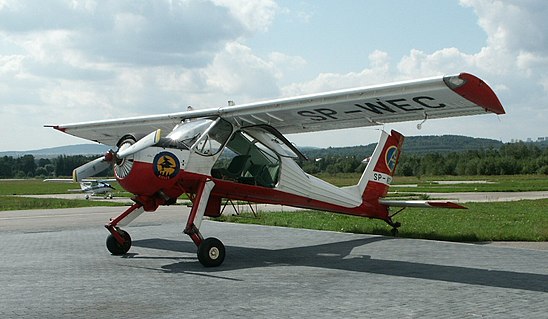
{"x":246,"y":160}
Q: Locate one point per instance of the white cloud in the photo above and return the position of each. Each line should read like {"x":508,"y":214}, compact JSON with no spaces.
{"x":514,"y":61}
{"x":10,"y":64}
{"x":513,"y":24}
{"x":71,"y":61}
{"x":377,"y":72}
{"x":235,"y":70}
{"x":255,"y":15}
{"x":514,"y":50}
{"x":129,"y":32}
{"x":441,"y":62}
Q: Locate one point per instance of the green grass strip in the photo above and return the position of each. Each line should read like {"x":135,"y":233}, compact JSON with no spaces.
{"x":24,"y":203}
{"x":525,"y":220}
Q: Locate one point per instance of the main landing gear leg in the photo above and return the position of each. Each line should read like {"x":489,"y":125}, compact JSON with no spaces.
{"x":395,"y":225}
{"x":394,"y":231}
{"x":119,"y":241}
{"x":211,"y":251}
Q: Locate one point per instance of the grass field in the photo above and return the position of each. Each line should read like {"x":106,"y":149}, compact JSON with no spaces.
{"x":19,"y":203}
{"x":523,"y":220}
{"x":503,"y":221}
{"x":510,"y":183}
{"x":428,"y":184}
{"x":39,"y":187}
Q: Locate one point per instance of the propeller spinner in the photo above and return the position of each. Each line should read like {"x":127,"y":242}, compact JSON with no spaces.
{"x":100,"y":164}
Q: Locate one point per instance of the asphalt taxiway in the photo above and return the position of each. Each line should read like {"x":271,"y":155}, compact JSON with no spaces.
{"x":54,"y":264}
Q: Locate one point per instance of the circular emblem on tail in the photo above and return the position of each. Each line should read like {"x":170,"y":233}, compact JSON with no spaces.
{"x":391,"y":157}
{"x":166,"y":165}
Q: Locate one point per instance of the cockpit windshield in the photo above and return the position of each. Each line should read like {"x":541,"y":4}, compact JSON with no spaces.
{"x":188,"y":133}
{"x":204,"y":136}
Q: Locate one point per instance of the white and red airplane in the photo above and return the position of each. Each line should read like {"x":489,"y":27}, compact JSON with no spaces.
{"x":91,"y":187}
{"x":257,"y":162}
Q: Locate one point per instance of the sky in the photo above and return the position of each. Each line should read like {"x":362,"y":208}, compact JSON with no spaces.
{"x":74,"y":61}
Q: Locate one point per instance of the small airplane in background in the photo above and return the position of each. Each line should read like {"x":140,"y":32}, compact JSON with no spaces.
{"x":92,"y":187}
{"x":262,"y":165}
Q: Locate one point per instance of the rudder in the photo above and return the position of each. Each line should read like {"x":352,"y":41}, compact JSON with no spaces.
{"x":378,"y":173}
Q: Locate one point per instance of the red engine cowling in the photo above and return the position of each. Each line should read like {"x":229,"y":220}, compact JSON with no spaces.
{"x":148,"y":179}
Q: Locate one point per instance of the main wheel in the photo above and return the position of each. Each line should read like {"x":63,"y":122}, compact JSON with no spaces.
{"x":114,"y":246}
{"x":211,"y":252}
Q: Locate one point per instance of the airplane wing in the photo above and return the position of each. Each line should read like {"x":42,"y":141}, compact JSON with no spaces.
{"x":437,"y":97}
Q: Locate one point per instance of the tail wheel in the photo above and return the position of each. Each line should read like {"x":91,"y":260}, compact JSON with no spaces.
{"x":115,"y":247}
{"x":211,"y":252}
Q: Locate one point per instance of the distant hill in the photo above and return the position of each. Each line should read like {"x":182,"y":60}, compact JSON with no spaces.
{"x":80,"y":149}
{"x":447,"y":143}
{"x":412,"y":144}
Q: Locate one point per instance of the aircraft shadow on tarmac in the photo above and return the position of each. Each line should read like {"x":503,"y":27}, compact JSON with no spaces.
{"x":338,"y":256}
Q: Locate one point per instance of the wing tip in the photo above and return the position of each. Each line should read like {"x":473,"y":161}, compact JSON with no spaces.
{"x":475,"y":90}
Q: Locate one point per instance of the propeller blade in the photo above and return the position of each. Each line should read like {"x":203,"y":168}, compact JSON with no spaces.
{"x":90,"y":169}
{"x":147,"y":141}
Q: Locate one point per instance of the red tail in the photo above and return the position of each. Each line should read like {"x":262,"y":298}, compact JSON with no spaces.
{"x":378,"y":174}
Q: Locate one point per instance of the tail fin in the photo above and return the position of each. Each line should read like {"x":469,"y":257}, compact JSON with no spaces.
{"x":377,"y":176}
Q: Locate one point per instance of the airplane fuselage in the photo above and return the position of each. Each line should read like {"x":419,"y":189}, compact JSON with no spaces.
{"x":157,"y":175}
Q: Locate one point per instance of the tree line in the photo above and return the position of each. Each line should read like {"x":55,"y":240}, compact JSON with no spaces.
{"x":29,"y":167}
{"x":508,"y":159}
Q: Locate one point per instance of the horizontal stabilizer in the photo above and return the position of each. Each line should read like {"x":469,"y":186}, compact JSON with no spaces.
{"x":420,"y":203}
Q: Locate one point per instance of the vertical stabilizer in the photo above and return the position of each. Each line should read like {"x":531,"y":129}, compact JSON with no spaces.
{"x":378,"y":174}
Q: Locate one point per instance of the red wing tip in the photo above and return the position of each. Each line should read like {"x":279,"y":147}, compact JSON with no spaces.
{"x":476,"y":90}
{"x":446,"y":205}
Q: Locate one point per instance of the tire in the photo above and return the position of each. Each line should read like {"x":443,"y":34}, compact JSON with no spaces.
{"x":211,"y":252}
{"x":114,"y":247}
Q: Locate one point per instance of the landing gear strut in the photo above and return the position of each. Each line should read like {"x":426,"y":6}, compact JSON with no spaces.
{"x":119,"y":241}
{"x":395,"y":225}
{"x":394,"y":231}
{"x":211,"y":251}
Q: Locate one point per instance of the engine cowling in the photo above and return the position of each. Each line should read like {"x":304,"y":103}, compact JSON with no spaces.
{"x":152,"y":170}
